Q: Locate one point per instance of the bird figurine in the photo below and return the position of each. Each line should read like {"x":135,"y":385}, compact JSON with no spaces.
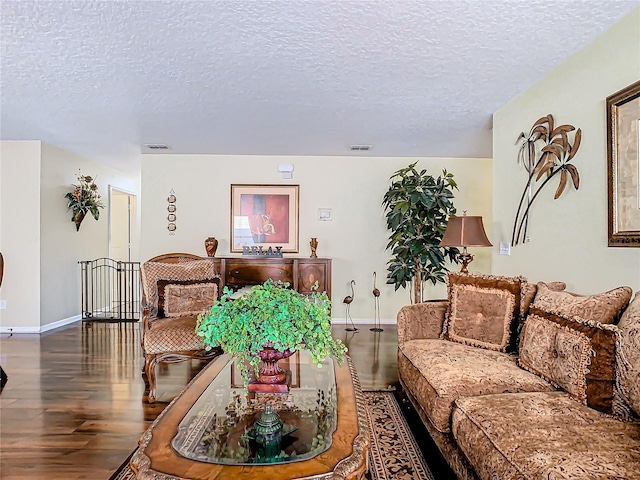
{"x":376,"y":306}
{"x":347,"y":315}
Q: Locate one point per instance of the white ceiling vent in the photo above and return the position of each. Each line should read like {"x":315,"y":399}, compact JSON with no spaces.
{"x":156,"y":146}
{"x":360,"y":148}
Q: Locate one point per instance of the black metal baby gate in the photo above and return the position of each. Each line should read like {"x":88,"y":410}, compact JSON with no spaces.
{"x":110,"y":290}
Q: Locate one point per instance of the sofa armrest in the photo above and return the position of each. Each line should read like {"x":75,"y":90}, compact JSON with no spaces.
{"x":422,"y":320}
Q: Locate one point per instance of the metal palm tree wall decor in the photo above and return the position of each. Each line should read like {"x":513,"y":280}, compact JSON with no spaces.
{"x":553,"y":158}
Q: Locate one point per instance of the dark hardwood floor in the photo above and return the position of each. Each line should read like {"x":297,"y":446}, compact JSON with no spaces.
{"x":75,"y":406}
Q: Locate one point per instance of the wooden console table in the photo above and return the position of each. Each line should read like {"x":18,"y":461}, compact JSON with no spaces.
{"x":301,"y":273}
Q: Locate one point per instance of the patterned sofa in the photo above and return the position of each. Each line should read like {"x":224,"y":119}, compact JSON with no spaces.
{"x":515,"y":380}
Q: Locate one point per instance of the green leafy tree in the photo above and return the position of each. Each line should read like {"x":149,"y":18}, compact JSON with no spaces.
{"x":417,"y":207}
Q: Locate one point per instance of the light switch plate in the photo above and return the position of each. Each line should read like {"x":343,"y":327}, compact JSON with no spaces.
{"x":324,"y":214}
{"x":505,"y":248}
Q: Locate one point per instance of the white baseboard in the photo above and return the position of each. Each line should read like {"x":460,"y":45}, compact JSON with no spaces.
{"x":364,"y":321}
{"x":42,"y":328}
{"x":77,"y":318}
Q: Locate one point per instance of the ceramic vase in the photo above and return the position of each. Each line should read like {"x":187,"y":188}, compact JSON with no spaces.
{"x":211,"y":245}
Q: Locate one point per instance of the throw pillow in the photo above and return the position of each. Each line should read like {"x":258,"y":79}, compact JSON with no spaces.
{"x":628,"y":362}
{"x":162,"y":286}
{"x":603,"y":307}
{"x":182,"y":300}
{"x":529,"y":291}
{"x":151,"y":272}
{"x":574,"y":354}
{"x":631,"y":314}
{"x":483,"y":310}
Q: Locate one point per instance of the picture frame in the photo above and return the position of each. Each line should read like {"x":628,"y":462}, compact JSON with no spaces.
{"x":623,"y":167}
{"x":265,"y":216}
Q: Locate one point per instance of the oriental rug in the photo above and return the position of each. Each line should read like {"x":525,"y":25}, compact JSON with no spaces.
{"x":394,"y":454}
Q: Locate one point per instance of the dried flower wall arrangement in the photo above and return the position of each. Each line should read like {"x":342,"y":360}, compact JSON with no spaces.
{"x":84,"y":198}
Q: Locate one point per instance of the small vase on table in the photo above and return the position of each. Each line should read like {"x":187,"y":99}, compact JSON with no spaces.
{"x":211,"y":245}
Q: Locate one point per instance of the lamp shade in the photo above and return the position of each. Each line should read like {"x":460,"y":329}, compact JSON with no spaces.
{"x":465,"y":231}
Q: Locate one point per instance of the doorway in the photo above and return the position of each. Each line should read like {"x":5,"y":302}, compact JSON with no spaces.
{"x":122,"y":224}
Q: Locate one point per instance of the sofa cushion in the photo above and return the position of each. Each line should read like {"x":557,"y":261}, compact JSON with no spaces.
{"x":182,"y":300}
{"x":603,"y":307}
{"x":172,"y":335}
{"x":437,"y":372}
{"x":483,"y":310}
{"x":555,"y":438}
{"x":628,"y":359}
{"x":151,"y":272}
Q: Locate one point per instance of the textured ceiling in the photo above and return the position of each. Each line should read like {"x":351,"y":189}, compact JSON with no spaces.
{"x":288,"y":77}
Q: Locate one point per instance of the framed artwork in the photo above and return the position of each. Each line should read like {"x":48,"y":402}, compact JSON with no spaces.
{"x":264,"y":216}
{"x":623,"y":171}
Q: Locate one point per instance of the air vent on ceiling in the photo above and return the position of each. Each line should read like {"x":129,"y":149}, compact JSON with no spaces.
{"x":360,"y":148}
{"x":157,"y":146}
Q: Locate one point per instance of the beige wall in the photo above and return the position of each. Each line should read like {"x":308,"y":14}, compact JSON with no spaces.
{"x":568,"y":236}
{"x":20,"y":232}
{"x":36,"y":232}
{"x":352,"y":187}
{"x":62,"y":247}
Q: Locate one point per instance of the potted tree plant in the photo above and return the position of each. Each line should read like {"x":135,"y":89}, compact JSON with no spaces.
{"x":417,"y":208}
{"x":270,"y":322}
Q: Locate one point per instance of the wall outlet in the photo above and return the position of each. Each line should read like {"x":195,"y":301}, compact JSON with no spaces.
{"x":505,"y":248}
{"x":3,"y":304}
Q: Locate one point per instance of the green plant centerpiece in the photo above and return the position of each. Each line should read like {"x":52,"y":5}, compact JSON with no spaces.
{"x":417,"y":207}
{"x":271,"y":317}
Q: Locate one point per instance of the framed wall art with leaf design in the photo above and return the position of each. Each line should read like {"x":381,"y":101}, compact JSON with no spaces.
{"x":623,"y":159}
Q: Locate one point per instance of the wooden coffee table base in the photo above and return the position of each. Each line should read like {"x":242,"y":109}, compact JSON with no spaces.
{"x":346,"y":458}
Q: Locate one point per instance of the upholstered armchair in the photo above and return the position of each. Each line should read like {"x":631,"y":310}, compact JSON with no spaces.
{"x":176,"y":287}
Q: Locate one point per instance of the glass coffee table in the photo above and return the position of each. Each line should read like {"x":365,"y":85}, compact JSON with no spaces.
{"x":214,"y":430}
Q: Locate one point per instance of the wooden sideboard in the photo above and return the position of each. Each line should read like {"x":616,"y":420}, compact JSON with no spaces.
{"x":301,"y":273}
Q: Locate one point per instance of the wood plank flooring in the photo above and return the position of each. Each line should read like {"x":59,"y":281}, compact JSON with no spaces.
{"x":75,"y":405}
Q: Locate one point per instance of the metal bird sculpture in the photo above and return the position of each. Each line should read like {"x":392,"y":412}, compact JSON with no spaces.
{"x":376,"y":306}
{"x":347,"y":315}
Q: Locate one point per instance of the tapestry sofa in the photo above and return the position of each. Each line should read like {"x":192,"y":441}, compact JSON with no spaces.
{"x":515,"y":380}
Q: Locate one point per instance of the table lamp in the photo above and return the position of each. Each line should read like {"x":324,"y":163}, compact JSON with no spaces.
{"x":465,"y":231}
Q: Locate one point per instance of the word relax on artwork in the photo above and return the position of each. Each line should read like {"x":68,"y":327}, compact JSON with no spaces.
{"x":262,"y":252}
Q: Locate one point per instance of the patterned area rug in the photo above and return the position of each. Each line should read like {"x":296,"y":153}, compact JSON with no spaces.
{"x":394,"y":453}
